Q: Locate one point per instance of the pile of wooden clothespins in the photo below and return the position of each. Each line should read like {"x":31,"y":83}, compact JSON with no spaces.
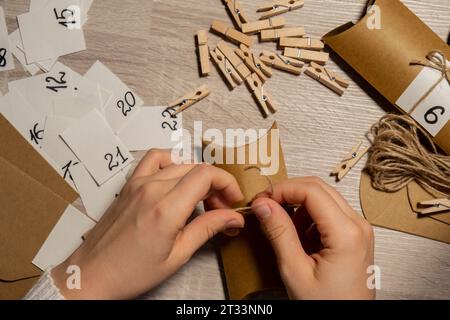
{"x":243,"y":64}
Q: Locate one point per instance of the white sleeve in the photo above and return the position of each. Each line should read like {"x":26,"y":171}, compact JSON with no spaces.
{"x":44,"y":289}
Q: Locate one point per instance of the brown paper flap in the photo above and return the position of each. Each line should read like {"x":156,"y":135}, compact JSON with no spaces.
{"x":417,"y":194}
{"x":21,"y":154}
{"x":28,"y":212}
{"x":382,"y":56}
{"x":17,"y":289}
{"x":393,"y":211}
{"x":248,"y":260}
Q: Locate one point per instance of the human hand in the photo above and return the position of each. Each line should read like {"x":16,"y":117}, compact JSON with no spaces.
{"x":336,"y":270}
{"x":144,"y":238}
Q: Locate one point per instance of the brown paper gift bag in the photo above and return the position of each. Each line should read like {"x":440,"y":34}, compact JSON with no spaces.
{"x":382,"y":56}
{"x":28,"y":212}
{"x":17,"y":151}
{"x":248,"y":261}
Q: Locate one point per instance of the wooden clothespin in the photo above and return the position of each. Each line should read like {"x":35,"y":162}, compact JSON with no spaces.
{"x":274,"y":34}
{"x":327,"y":78}
{"x":264,"y":100}
{"x":302,"y":43}
{"x":203,"y":52}
{"x":226,"y":68}
{"x":281,"y":62}
{"x":433,"y":206}
{"x":189,"y":99}
{"x":279,"y":7}
{"x":307,"y":55}
{"x":231,"y":33}
{"x":254,"y":63}
{"x":349,"y":162}
{"x":235,"y":9}
{"x":256,"y":26}
{"x":231,"y":56}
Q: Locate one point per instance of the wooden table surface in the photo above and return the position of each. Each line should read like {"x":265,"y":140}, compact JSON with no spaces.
{"x":150,"y":46}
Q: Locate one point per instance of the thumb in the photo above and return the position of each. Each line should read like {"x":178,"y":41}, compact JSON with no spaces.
{"x":281,"y":232}
{"x":204,"y":227}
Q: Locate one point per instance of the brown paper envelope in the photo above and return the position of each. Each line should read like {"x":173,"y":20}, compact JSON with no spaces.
{"x":17,"y":289}
{"x":21,"y":154}
{"x":382,"y":56}
{"x":393,"y":211}
{"x":28,"y":213}
{"x":417,"y":194}
{"x":248,"y":260}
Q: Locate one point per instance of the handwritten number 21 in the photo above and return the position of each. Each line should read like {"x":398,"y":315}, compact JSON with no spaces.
{"x":114,"y":164}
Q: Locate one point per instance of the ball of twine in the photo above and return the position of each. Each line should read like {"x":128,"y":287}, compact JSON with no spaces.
{"x":403,"y":152}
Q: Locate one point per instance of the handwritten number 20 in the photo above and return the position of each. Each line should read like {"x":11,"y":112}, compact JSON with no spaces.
{"x":114,"y":164}
{"x":431,"y":116}
{"x":127,"y":104}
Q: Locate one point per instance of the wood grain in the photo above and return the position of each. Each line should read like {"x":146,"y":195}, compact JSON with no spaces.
{"x":150,"y":45}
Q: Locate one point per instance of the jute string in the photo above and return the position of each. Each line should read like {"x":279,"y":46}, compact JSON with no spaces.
{"x":403,"y":152}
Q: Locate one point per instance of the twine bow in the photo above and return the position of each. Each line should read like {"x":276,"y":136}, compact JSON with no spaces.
{"x":435,"y":59}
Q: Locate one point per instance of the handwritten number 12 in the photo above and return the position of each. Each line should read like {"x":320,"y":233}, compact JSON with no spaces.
{"x":114,"y":164}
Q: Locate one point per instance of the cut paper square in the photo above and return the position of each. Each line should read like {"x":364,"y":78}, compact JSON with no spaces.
{"x":123,"y":104}
{"x":94,"y":143}
{"x":52,"y":31}
{"x":64,"y":239}
{"x":16,"y":41}
{"x":152,"y":127}
{"x":6,"y":58}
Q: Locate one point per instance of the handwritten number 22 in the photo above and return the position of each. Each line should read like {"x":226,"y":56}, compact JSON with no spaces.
{"x":114,"y":164}
{"x":166,"y":124}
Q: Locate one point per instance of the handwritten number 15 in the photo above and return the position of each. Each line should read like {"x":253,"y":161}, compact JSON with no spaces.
{"x":64,"y":19}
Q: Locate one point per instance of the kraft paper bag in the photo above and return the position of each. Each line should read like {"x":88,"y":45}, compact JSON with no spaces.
{"x":28,"y":213}
{"x":382,"y":56}
{"x":17,"y":151}
{"x":395,"y":211}
{"x":248,"y":261}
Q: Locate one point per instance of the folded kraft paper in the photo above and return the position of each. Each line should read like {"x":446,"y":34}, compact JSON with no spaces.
{"x":403,"y":59}
{"x":248,"y":261}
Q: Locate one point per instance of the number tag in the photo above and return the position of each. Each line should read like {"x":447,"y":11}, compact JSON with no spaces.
{"x":54,"y":84}
{"x":433,"y":113}
{"x":115,"y":161}
{"x":171,"y":123}
{"x":69,"y":17}
{"x":36,"y":134}
{"x":127,"y":103}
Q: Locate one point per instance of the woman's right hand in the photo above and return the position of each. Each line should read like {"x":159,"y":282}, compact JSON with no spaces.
{"x":338,"y":269}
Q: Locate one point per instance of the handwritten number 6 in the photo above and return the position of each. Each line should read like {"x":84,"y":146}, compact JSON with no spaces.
{"x":431,"y":117}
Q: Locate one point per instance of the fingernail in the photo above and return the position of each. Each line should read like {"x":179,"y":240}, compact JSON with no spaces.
{"x":232,"y":232}
{"x":262,"y":211}
{"x":233,"y":224}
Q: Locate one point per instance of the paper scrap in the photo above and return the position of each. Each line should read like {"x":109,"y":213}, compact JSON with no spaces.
{"x":16,"y":40}
{"x":123,"y":104}
{"x":152,"y":127}
{"x":94,"y":143}
{"x":96,"y":199}
{"x":64,"y":238}
{"x":52,"y":31}
{"x":21,"y":115}
{"x":6,"y":58}
{"x":40,"y":90}
{"x":56,"y":148}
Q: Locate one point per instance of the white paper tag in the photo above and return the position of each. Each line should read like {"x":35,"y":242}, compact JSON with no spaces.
{"x":152,"y":127}
{"x":64,"y":238}
{"x":52,"y":31}
{"x":94,"y":143}
{"x":21,"y":115}
{"x":6,"y":58}
{"x":96,"y":199}
{"x":123,"y":104}
{"x":56,"y":148}
{"x":16,"y":41}
{"x":42,"y":89}
{"x":434,"y":112}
